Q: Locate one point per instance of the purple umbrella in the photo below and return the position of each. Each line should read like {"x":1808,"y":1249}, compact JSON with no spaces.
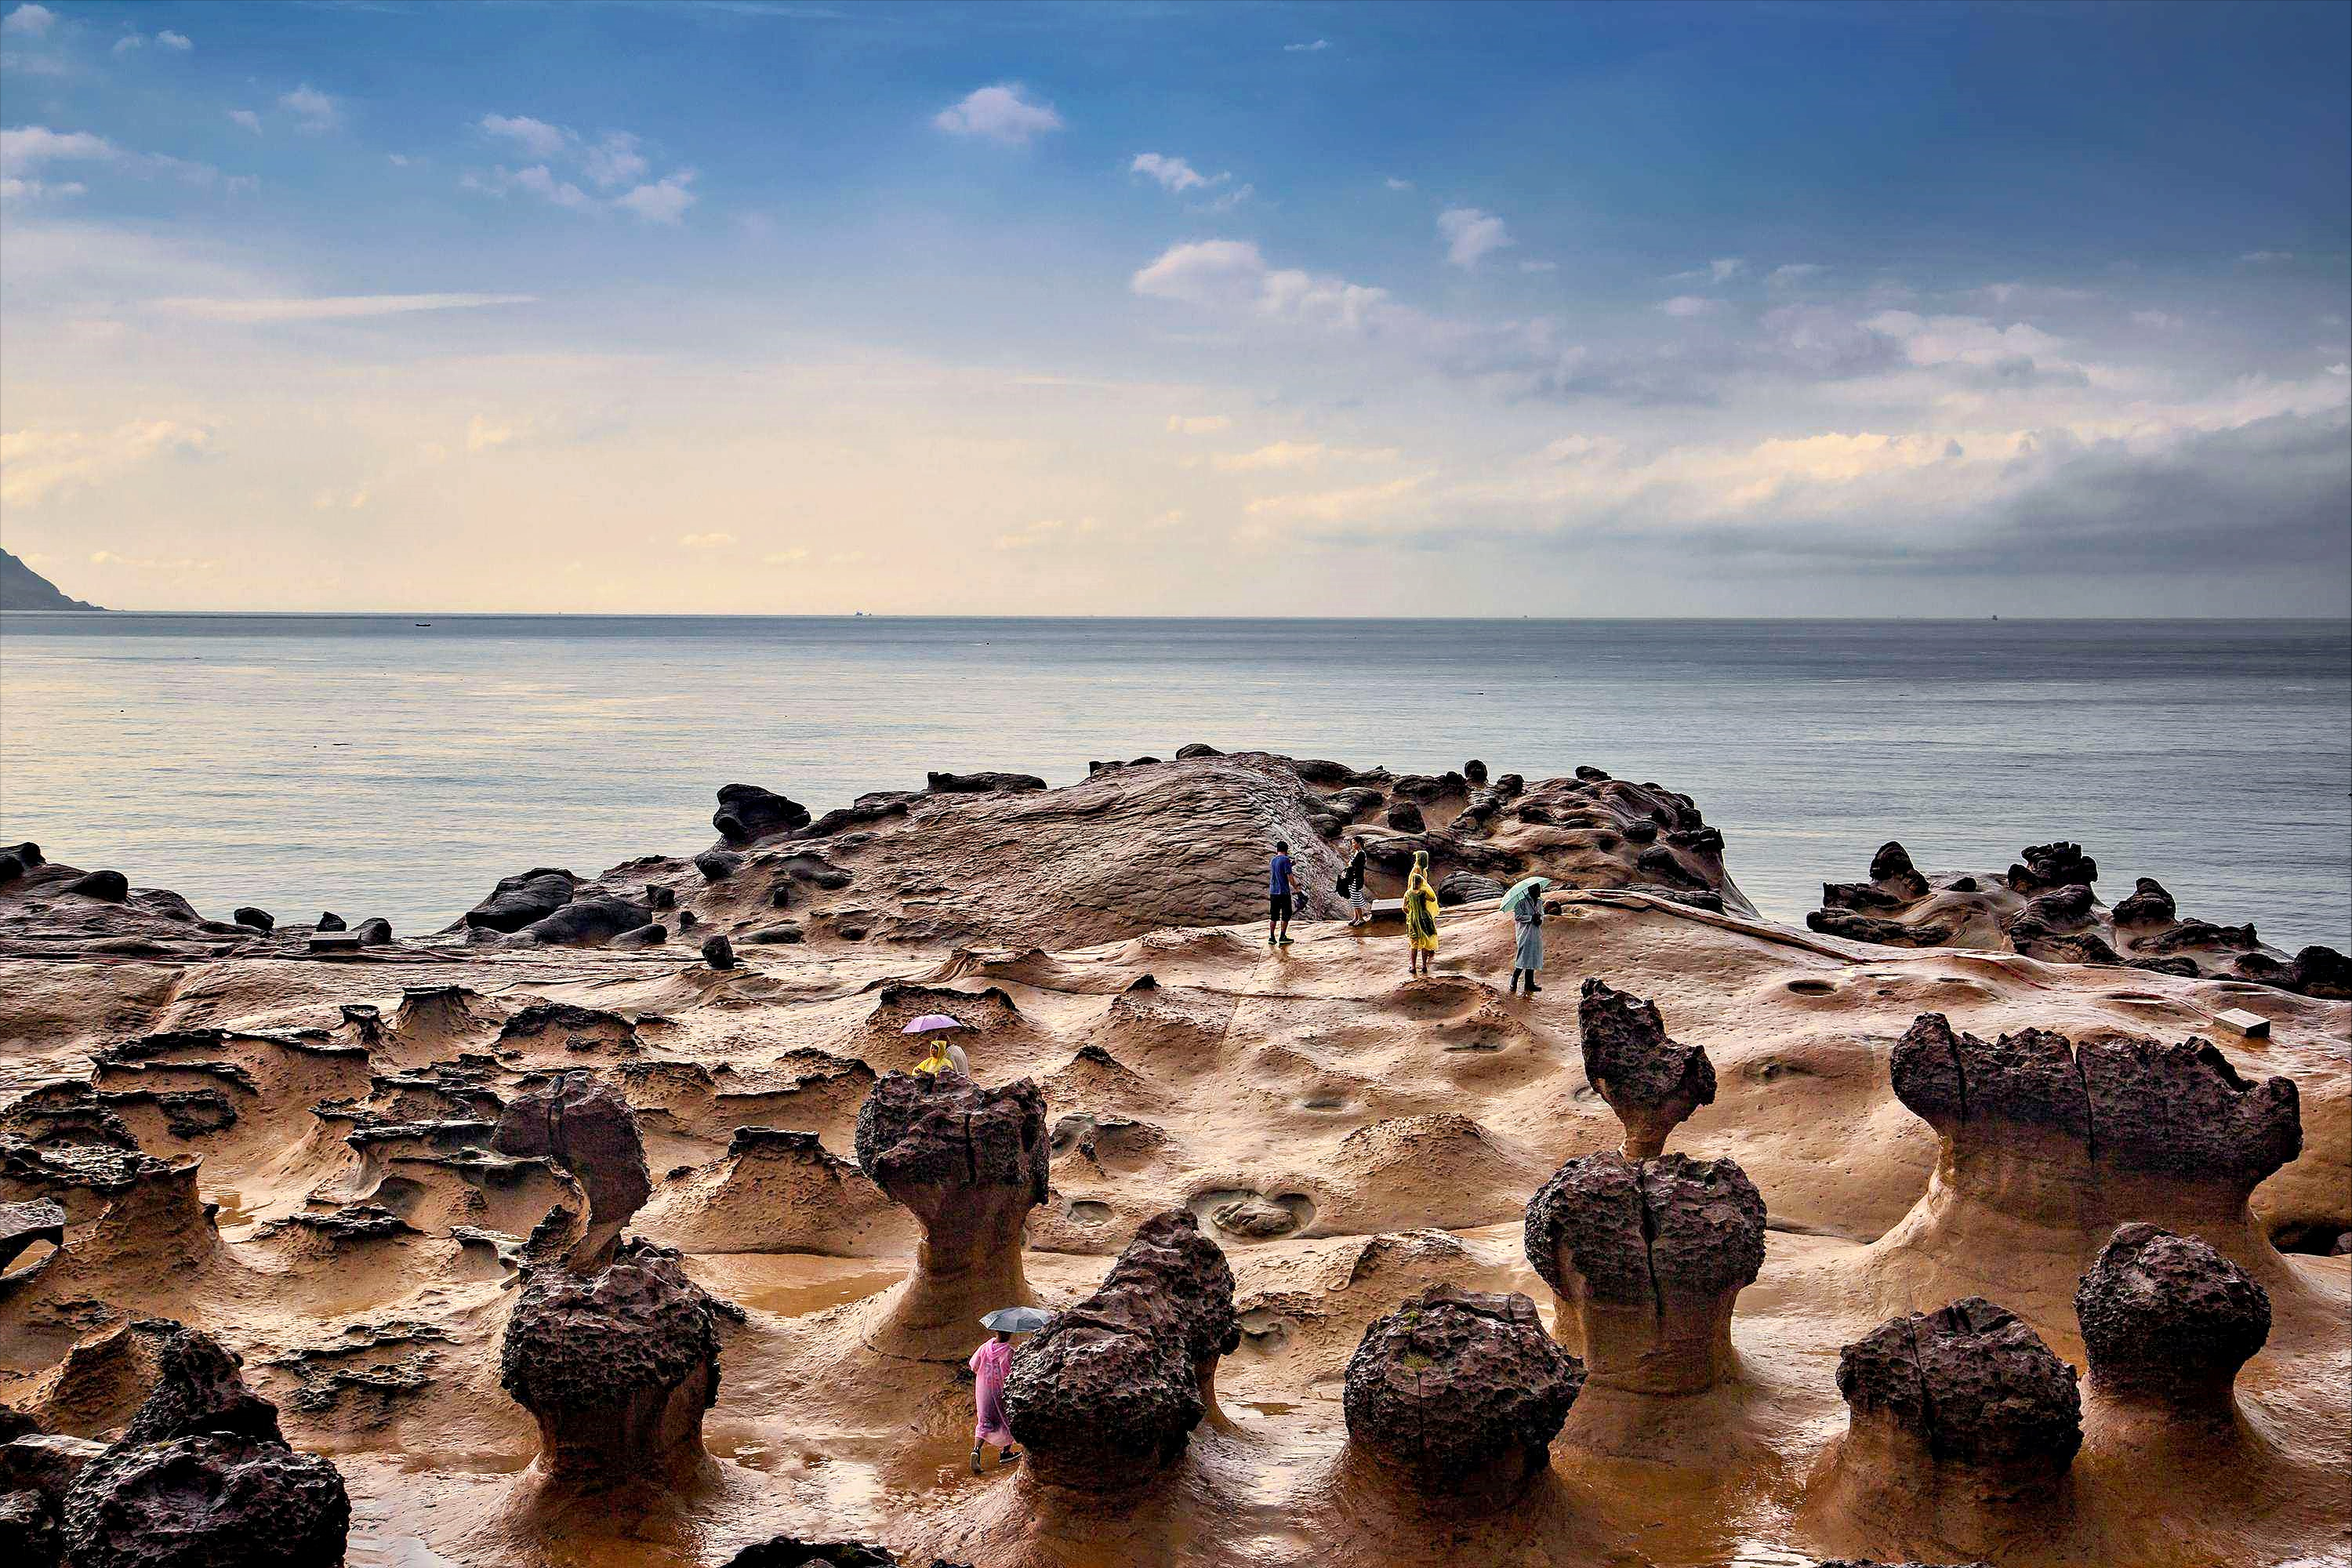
{"x":930,"y":1021}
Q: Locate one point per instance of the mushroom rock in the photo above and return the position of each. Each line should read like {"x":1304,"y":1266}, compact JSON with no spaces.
{"x":970,"y":1162}
{"x":201,"y":1478}
{"x":2052,"y":866}
{"x":1653,"y":1083}
{"x":2147,"y":904}
{"x":586,"y":1127}
{"x":1962,"y":1428}
{"x":2045,"y":1149}
{"x":1648,"y":1259}
{"x":1107,"y":1395}
{"x":1405,"y":818}
{"x":618,"y":1366}
{"x":2169,"y":1321}
{"x":1461,"y":1392}
{"x":747,"y":812}
{"x":519,"y":901}
{"x":366,"y":1020}
{"x":1474,"y":772}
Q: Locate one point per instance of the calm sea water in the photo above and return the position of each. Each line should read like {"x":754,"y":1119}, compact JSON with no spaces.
{"x":374,"y":766}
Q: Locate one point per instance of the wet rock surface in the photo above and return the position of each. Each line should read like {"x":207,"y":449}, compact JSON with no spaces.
{"x":1461,"y":1390}
{"x":1653,"y":1083}
{"x":2167,"y":1317}
{"x":618,"y":1365}
{"x":1970,"y":1383}
{"x":1108,"y":1394}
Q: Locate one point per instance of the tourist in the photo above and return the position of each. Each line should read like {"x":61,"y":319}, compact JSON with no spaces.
{"x":1277,"y":903}
{"x":1420,"y":916}
{"x":1523,"y":904}
{"x":989,"y":1364}
{"x":944,"y":1055}
{"x":1351,"y":884}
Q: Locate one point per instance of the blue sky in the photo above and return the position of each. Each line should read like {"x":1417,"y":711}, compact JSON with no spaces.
{"x":1776,"y":307}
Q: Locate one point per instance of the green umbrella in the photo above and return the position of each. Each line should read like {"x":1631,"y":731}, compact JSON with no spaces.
{"x":1525,"y":888}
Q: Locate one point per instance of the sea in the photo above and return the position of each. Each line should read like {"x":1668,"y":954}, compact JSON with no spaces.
{"x":399,"y":764}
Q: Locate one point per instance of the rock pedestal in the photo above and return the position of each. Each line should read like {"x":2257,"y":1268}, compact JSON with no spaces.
{"x":1647,"y":1258}
{"x":618,"y":1366}
{"x":1105,"y":1397}
{"x":2169,"y":1321}
{"x":1653,"y":1083}
{"x":1459,"y":1394}
{"x":970,"y":1163}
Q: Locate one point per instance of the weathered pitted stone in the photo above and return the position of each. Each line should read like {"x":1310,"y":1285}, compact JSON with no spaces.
{"x":1405,"y":817}
{"x":1107,"y":1395}
{"x":2147,"y":904}
{"x":366,"y":1020}
{"x":2321,"y":972}
{"x":2066,"y":908}
{"x":2168,"y":1319}
{"x":970,"y":1162}
{"x":1653,"y":1083}
{"x":589,"y":919}
{"x":108,"y":887}
{"x":747,"y":813}
{"x":28,"y":1527}
{"x":2052,"y":866}
{"x":979,"y":782}
{"x":519,"y":899}
{"x":22,"y":1225}
{"x":329,"y":920}
{"x":203,"y":1479}
{"x":259,"y":919}
{"x":586,"y":1127}
{"x":1461,"y":1391}
{"x":2029,"y":1077}
{"x":717,"y":952}
{"x":1648,"y":1259}
{"x":373,"y":932}
{"x":1967,"y":1384}
{"x":1467,"y":888}
{"x":618,"y":1366}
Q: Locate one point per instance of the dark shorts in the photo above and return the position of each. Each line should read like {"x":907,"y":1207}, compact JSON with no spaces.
{"x":1278,"y":907}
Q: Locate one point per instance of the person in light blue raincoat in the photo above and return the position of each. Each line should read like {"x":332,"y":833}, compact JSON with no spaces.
{"x":1523,"y":904}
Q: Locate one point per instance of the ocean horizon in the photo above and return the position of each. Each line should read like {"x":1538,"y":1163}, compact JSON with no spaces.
{"x":371,"y":765}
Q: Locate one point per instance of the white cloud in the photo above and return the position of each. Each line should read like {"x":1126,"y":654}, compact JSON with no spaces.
{"x":398,"y":160}
{"x":1316,"y":48}
{"x":664,"y":201}
{"x":1795,"y":272}
{"x":1198,"y":424}
{"x":1341,"y":505}
{"x":178,"y":42}
{"x":28,"y":21}
{"x":2262,"y":258}
{"x":1230,"y":274}
{"x":246,"y":117}
{"x":536,"y":137}
{"x":128,"y":42}
{"x":1396,"y":184}
{"x":2157,"y":319}
{"x":1684,"y":306}
{"x":1173,"y":173}
{"x":1724,"y":269}
{"x":616,"y":160}
{"x":1003,"y":114}
{"x":1538,"y":266}
{"x":482,"y":436}
{"x":39,"y":464}
{"x":27,"y":147}
{"x":313,"y":110}
{"x":706,"y":541}
{"x":1469,"y":234}
{"x":340,"y":308}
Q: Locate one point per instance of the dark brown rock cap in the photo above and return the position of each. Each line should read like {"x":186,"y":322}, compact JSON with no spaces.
{"x":586,"y":1126}
{"x":1972,"y":1381}
{"x":942,"y":1129}
{"x":1455,"y":1385}
{"x":596,"y":1341}
{"x":1629,"y":1058}
{"x":1647,"y":1232}
{"x":2166,"y":1316}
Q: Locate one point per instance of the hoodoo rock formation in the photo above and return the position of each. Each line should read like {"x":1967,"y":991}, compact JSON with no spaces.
{"x":2045,"y":908}
{"x":586,"y":1127}
{"x":202,"y":1478}
{"x":970,"y":1163}
{"x":1460,"y":1392}
{"x":2169,"y":1321}
{"x":2044,"y":1148}
{"x":617,"y":1365}
{"x":1105,"y":1397}
{"x":1648,"y":1259}
{"x":1653,"y":1083}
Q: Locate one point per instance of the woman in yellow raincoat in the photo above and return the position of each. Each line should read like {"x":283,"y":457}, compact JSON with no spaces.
{"x":1420,"y":916}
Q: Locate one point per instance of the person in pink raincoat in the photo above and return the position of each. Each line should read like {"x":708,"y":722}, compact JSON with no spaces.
{"x":989,"y":1364}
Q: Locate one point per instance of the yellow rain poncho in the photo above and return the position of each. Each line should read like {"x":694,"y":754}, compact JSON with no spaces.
{"x":1421,"y":905}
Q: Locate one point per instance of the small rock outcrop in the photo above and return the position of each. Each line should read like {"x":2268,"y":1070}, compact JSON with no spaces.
{"x":1648,"y":1259}
{"x":1653,"y":1083}
{"x":970,"y":1163}
{"x":618,"y":1366}
{"x":519,"y":901}
{"x":2169,"y":1321}
{"x":1966,"y":1386}
{"x":980,"y":783}
{"x":585,"y":1126}
{"x":717,"y":952}
{"x":202,"y":1478}
{"x":1461,"y":1393}
{"x":1107,"y":1395}
{"x":748,"y":813}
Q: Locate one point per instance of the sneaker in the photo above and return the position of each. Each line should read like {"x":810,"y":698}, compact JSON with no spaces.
{"x":1282,"y":941}
{"x":1009,"y":1457}
{"x":975,"y":1461}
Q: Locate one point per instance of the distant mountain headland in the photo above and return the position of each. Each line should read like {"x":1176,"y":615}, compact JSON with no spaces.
{"x":22,"y":588}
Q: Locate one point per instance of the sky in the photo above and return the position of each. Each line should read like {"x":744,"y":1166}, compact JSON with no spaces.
{"x":1156,"y":309}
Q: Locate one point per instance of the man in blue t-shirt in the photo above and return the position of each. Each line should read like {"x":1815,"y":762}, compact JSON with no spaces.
{"x":1277,"y":903}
